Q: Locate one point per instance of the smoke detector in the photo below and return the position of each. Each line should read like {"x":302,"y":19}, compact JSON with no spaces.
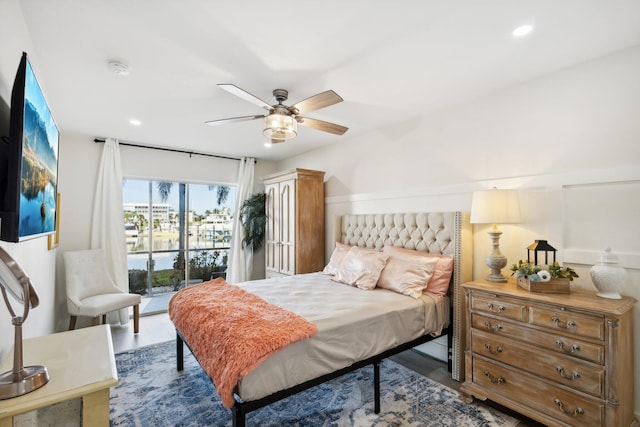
{"x":119,"y":68}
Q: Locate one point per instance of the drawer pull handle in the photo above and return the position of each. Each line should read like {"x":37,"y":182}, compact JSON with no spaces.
{"x":495,"y":310}
{"x":578,"y":410}
{"x":493,"y":379}
{"x":574,"y":348}
{"x":495,"y":328}
{"x":496,"y":351}
{"x":567,"y":325}
{"x":574,"y":376}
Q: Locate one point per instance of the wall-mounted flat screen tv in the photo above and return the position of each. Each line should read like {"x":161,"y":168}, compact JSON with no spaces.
{"x":28,"y":162}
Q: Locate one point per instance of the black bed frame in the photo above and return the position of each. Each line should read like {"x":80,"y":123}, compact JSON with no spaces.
{"x":240,"y":409}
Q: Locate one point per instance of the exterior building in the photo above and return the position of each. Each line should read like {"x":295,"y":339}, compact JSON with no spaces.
{"x":160,"y":211}
{"x":216,"y":226}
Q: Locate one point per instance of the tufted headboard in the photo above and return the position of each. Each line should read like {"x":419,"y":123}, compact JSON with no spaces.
{"x":445,"y":233}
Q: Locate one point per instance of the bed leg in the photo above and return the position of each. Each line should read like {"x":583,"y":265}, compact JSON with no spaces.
{"x":376,"y":387}
{"x":238,"y":416}
{"x":179,"y":352}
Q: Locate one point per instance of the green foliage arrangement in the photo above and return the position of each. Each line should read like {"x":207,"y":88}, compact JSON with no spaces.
{"x":557,"y":271}
{"x":537,"y":274}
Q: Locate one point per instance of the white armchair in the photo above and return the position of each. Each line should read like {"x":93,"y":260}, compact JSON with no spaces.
{"x":90,"y":291}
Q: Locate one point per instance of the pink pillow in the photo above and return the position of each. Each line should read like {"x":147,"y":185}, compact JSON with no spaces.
{"x":337,"y":257}
{"x":361,"y":268}
{"x":441,"y":277}
{"x":407,"y":275}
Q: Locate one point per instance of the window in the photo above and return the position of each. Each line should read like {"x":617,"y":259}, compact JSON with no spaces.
{"x":177,"y":234}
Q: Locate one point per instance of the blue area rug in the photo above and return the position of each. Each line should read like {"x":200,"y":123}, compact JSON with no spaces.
{"x":152,"y":393}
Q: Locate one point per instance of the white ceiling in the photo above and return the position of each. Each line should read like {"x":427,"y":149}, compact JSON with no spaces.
{"x":389,"y":60}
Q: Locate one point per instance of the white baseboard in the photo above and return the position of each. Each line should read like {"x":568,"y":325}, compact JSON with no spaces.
{"x":436,"y":348}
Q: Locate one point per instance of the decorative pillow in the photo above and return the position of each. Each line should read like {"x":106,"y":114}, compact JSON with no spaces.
{"x":361,"y":267}
{"x":441,"y":277}
{"x":407,"y":274}
{"x":337,"y":257}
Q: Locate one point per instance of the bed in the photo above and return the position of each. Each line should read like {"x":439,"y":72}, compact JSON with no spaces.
{"x":341,"y":327}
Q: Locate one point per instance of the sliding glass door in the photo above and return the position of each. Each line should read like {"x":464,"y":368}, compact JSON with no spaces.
{"x":177,"y":233}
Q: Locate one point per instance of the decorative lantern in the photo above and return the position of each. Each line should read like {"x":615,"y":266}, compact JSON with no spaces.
{"x":540,"y":246}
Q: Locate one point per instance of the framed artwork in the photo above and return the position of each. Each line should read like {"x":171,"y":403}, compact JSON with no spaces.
{"x":54,"y":238}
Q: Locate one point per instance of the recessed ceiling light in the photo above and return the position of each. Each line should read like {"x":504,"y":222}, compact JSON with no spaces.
{"x":119,"y":68}
{"x":135,"y":122}
{"x":522,"y":30}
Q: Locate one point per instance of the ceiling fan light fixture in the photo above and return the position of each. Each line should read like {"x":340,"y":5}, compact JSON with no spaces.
{"x":280,"y":127}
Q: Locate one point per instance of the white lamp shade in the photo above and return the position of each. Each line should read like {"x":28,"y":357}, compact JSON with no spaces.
{"x":495,"y":207}
{"x":280,"y":127}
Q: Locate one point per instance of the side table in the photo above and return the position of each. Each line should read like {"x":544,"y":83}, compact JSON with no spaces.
{"x":81,"y":364}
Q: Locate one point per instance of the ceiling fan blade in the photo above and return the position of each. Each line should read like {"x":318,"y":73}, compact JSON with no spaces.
{"x":321,"y":125}
{"x":241,"y":93}
{"x":316,"y":102}
{"x":233,"y":120}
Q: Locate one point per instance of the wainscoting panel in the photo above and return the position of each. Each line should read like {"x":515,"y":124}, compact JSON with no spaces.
{"x":599,"y":216}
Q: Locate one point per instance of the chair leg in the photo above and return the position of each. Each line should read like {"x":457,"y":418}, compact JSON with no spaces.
{"x":136,"y":318}
{"x":72,"y":322}
{"x":95,"y":321}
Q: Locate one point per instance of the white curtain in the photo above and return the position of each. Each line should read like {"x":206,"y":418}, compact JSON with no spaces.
{"x":240,"y":264}
{"x":107,"y":228}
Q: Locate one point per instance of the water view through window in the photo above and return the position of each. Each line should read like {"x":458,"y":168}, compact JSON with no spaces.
{"x":177,"y":234}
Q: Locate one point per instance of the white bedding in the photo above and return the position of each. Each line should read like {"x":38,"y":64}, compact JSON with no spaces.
{"x":353,"y":324}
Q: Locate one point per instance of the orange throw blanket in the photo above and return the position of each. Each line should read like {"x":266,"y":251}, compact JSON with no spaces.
{"x":231,"y":331}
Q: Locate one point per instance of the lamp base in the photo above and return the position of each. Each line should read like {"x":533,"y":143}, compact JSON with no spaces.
{"x":496,"y":278}
{"x":496,"y":263}
{"x":16,"y":384}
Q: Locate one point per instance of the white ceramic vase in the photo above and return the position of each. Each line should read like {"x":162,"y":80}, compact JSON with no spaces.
{"x":607,"y":276}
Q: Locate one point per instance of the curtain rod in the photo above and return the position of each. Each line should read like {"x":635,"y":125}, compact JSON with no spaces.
{"x":173,"y":150}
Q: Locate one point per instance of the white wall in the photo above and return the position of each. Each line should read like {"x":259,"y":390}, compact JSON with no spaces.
{"x":39,"y":264}
{"x":570,"y":142}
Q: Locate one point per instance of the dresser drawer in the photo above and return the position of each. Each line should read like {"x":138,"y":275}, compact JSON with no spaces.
{"x":573,"y":346}
{"x":490,"y":324}
{"x":503,"y":307}
{"x":567,"y":321}
{"x":541,"y":395}
{"x":566,"y":370}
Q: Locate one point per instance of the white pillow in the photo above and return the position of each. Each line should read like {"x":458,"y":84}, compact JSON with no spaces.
{"x":407,"y":275}
{"x":361,"y":268}
{"x":337,"y":257}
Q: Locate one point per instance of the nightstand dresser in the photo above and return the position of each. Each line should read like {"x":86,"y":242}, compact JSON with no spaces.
{"x":561,"y":359}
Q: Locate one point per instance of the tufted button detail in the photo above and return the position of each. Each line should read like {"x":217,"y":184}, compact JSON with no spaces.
{"x":429,"y":232}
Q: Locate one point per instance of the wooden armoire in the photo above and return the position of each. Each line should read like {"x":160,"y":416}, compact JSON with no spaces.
{"x":294,"y":241}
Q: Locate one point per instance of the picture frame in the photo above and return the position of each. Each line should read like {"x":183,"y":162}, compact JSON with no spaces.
{"x":54,"y":238}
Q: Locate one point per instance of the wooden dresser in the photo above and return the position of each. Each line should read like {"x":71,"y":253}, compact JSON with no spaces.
{"x":561,"y":359}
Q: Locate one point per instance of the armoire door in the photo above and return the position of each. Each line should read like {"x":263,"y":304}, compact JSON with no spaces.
{"x":287,"y":225}
{"x":272,"y":237}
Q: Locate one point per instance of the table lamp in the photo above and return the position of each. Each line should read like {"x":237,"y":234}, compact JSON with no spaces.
{"x":495,"y":207}
{"x":21,"y":379}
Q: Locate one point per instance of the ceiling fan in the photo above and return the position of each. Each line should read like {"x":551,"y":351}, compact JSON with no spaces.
{"x":281,"y":123}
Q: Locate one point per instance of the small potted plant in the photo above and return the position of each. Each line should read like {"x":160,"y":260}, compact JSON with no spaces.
{"x":555,"y":279}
